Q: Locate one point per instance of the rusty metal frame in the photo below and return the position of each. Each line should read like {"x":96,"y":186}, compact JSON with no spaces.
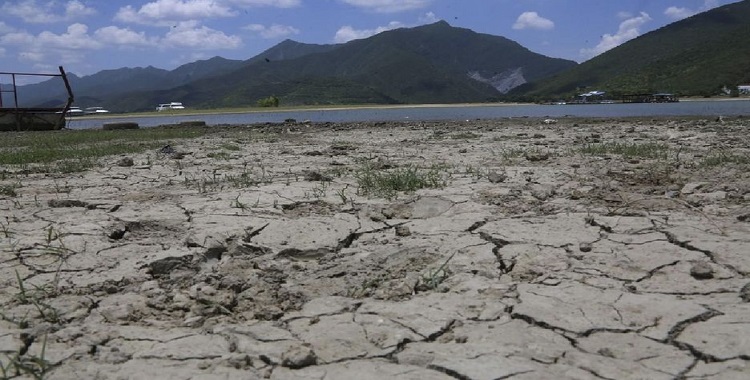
{"x":36,"y":117}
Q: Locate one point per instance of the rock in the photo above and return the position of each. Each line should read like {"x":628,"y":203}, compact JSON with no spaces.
{"x":691,"y":187}
{"x":125,"y":162}
{"x":542,"y":192}
{"x":495,"y":177}
{"x":402,"y":231}
{"x":535,"y":156}
{"x":397,"y":211}
{"x":313,"y":176}
{"x":585,"y":247}
{"x":702,"y":271}
{"x":58,"y":203}
{"x":745,"y":292}
{"x":300,"y":356}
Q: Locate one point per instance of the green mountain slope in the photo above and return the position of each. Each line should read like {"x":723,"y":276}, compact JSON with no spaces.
{"x":697,"y":56}
{"x":434,"y":63}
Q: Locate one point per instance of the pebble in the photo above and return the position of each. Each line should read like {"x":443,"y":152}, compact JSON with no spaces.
{"x":298,"y":357}
{"x":745,"y":292}
{"x":403,"y":231}
{"x":702,"y":271}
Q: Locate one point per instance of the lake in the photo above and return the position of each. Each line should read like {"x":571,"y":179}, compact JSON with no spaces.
{"x":443,"y":112}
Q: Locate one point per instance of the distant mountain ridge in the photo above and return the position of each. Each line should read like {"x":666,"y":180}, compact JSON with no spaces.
{"x":696,"y":56}
{"x":435,"y":63}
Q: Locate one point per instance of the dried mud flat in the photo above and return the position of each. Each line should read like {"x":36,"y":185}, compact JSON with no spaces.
{"x":582,"y":249}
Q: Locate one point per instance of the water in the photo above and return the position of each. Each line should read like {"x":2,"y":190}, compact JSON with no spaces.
{"x":427,"y":113}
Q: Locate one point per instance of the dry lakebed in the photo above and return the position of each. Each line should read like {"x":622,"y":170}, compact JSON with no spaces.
{"x":485,"y":249}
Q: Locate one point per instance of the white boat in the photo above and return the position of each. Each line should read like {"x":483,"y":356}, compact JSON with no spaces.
{"x":73,"y":111}
{"x":95,"y":111}
{"x":170,"y":106}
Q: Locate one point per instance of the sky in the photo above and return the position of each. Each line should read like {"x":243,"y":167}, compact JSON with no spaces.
{"x":87,"y":36}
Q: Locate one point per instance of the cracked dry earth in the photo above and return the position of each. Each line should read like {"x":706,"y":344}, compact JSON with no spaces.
{"x":253,"y":252}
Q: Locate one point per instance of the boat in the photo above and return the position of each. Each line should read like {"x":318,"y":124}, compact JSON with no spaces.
{"x":73,"y":111}
{"x":170,"y":106}
{"x":95,"y":111}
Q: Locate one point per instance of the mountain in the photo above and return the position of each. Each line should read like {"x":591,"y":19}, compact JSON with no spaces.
{"x":435,"y":63}
{"x":696,"y":56}
{"x":289,"y":49}
{"x":101,"y":88}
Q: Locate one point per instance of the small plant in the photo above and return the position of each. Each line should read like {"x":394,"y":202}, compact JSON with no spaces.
{"x":237,"y":204}
{"x":632,"y":150}
{"x":321,"y":190}
{"x":35,"y":298}
{"x":5,"y":228}
{"x":34,"y":366}
{"x":724,"y":158}
{"x":230,"y":147}
{"x":342,"y":194}
{"x":9,"y":190}
{"x":432,"y":278}
{"x":388,"y":183}
{"x":219,"y":155}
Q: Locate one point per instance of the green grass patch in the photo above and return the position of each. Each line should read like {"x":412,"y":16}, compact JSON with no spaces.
{"x":388,"y":183}
{"x":724,"y":158}
{"x":74,"y":151}
{"x":645,"y":150}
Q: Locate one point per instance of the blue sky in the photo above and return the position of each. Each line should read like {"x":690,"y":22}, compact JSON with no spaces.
{"x":86,"y":36}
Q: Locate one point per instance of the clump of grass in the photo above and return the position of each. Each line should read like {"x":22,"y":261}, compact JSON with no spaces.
{"x":33,"y":366}
{"x":9,"y":190}
{"x":724,"y":158}
{"x":230,"y":147}
{"x":645,"y":150}
{"x":219,"y":155}
{"x":388,"y":183}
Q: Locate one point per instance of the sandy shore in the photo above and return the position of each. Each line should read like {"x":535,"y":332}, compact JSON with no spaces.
{"x":574,"y":249}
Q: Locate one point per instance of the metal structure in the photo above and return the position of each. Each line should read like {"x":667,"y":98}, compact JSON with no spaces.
{"x":17,"y":118}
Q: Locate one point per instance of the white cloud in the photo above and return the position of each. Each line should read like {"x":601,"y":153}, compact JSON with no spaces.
{"x":348,"y":33}
{"x":189,"y":35}
{"x":5,"y":28}
{"x":628,"y":30}
{"x":76,"y":38}
{"x":265,"y":3}
{"x":428,"y":18}
{"x":113,"y":35}
{"x":388,"y":6}
{"x":167,"y":11}
{"x":67,"y":47}
{"x":47,"y":12}
{"x":273,"y":31}
{"x":532,"y":20}
{"x":17,"y":38}
{"x":622,"y":15}
{"x":75,"y":9}
{"x":679,"y":13}
{"x":31,"y":56}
